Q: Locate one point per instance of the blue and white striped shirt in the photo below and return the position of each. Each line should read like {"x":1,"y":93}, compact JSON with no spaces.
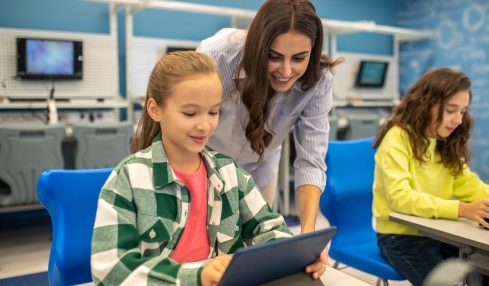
{"x":304,"y":112}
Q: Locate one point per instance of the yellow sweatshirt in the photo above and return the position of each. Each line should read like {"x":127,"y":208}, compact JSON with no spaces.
{"x":403,"y":184}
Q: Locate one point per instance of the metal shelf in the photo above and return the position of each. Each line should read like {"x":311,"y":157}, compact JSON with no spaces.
{"x":72,"y":104}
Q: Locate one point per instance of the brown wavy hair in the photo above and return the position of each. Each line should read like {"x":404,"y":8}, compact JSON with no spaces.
{"x":275,"y":17}
{"x":414,"y":115}
{"x":170,"y":70}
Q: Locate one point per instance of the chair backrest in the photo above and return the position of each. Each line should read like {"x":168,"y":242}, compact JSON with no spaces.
{"x":362,"y":125}
{"x":101,"y":145}
{"x":25,"y":151}
{"x":347,"y":200}
{"x":71,"y":196}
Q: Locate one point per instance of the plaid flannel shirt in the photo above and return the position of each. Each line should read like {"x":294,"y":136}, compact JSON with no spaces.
{"x":143,"y":208}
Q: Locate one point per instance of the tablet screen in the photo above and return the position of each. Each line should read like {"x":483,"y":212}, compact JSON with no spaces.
{"x":272,"y":260}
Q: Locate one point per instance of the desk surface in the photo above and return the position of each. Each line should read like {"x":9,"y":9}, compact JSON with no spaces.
{"x":331,"y":277}
{"x":335,"y":277}
{"x":459,"y":232}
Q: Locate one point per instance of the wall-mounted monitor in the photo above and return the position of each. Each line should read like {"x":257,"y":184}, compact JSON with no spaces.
{"x":371,"y":74}
{"x":50,"y":59}
{"x":170,"y":49}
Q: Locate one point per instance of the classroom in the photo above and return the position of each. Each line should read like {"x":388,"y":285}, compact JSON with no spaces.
{"x":75,"y":91}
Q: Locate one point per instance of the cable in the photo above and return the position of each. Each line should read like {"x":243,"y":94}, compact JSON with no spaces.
{"x":4,"y":86}
{"x":52,"y":114}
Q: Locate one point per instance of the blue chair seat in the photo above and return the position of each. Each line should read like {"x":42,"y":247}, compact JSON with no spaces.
{"x":372,"y":262}
{"x":347,"y":204}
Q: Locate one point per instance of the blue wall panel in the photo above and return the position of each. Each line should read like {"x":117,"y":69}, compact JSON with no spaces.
{"x":86,"y":16}
{"x":58,"y":15}
{"x":461,"y":42}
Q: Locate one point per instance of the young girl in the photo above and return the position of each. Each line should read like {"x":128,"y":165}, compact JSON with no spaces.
{"x":173,"y":202}
{"x":422,"y":169}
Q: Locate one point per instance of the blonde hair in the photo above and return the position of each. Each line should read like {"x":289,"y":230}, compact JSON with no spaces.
{"x":170,"y":70}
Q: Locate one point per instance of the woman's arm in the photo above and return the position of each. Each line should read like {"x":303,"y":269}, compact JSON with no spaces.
{"x":311,"y":135}
{"x":308,"y":205}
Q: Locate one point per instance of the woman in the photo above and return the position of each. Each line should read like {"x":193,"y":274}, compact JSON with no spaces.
{"x":275,"y":80}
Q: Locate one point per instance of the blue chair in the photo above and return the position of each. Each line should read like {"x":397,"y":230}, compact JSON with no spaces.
{"x":347,"y":204}
{"x":71,"y":196}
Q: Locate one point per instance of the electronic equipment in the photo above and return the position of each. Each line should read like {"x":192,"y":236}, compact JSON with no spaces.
{"x":371,"y":74}
{"x":275,"y":259}
{"x":51,"y":59}
{"x":175,"y":49}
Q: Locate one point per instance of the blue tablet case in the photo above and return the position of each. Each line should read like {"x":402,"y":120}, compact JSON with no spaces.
{"x":275,"y":259}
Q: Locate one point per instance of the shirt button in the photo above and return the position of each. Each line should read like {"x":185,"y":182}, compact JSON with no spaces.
{"x":152,"y":234}
{"x":237,"y":228}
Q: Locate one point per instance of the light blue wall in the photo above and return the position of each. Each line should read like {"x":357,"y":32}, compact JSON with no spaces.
{"x":59,"y":15}
{"x":85,"y":16}
{"x":155,"y":23}
{"x":461,"y":42}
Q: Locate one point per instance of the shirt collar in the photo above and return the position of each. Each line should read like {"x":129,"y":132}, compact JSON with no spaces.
{"x":163,"y":173}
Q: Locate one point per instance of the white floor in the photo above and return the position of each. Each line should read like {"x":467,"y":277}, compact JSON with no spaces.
{"x":26,"y":250}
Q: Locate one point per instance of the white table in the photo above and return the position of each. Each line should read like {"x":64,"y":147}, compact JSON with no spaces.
{"x":332,"y":277}
{"x":472,"y":239}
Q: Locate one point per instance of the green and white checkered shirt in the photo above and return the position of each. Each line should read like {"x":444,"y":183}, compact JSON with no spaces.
{"x":143,"y":208}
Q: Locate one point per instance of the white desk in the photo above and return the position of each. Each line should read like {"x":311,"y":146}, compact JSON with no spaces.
{"x":472,"y":240}
{"x":332,"y":277}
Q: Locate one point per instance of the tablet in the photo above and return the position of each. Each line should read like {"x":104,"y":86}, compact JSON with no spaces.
{"x":275,"y":259}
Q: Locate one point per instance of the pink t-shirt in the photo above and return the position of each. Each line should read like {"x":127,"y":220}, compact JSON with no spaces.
{"x":194,"y":243}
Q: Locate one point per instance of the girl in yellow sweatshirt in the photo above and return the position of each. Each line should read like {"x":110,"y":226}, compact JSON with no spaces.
{"x":422,"y":169}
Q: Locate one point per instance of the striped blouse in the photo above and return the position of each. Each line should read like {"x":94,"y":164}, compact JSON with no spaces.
{"x":305,"y":113}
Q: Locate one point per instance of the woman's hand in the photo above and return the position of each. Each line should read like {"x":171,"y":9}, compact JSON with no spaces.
{"x":476,"y":211}
{"x":212,"y":272}
{"x":317,"y":268}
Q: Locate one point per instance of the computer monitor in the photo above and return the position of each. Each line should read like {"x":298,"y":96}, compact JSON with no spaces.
{"x":371,"y":74}
{"x":175,"y":49}
{"x":39,"y":58}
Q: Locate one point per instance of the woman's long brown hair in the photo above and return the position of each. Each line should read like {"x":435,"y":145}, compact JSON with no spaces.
{"x":170,"y":70}
{"x":414,"y":115}
{"x":275,"y":17}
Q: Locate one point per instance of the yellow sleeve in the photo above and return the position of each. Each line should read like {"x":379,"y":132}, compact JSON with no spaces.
{"x":468,"y":187}
{"x":403,"y":192}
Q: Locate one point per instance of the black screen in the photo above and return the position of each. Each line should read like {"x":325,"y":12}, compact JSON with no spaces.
{"x":371,"y":74}
{"x":49,"y":59}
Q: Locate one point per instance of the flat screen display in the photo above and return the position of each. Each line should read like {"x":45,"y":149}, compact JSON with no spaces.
{"x":49,"y":59}
{"x":371,"y":74}
{"x":175,"y":49}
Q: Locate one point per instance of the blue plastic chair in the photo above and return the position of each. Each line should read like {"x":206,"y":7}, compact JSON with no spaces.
{"x":71,"y":197}
{"x":347,"y":204}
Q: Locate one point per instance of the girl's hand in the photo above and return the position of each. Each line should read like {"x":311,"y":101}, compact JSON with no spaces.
{"x":476,"y":211}
{"x":212,"y":272}
{"x":317,"y":268}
